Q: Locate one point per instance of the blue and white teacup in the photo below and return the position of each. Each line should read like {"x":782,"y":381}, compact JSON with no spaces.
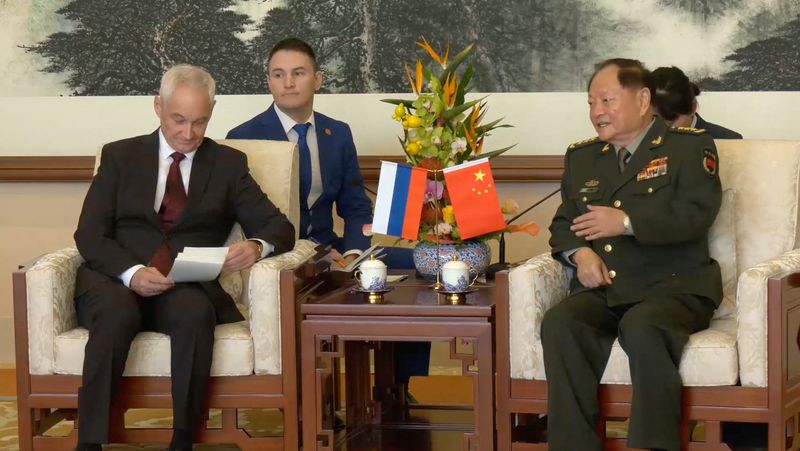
{"x":457,"y":276}
{"x":371,"y":275}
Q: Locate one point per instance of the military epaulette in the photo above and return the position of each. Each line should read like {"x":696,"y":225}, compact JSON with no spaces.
{"x":583,"y":143}
{"x":688,"y":130}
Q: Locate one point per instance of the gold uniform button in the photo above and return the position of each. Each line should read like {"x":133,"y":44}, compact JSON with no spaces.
{"x":608,"y":248}
{"x":584,"y":198}
{"x":612,"y":274}
{"x":650,"y":190}
{"x":617,"y":203}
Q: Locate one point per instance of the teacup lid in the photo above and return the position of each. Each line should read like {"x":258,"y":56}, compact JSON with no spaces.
{"x":455,"y":263}
{"x":372,"y":263}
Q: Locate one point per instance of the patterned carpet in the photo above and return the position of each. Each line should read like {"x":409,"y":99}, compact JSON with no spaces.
{"x":258,"y":423}
{"x":446,"y":387}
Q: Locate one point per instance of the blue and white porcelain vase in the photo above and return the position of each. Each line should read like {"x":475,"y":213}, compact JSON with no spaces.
{"x":476,"y":254}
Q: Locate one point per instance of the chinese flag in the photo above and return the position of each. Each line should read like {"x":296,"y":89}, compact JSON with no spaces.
{"x":474,"y":198}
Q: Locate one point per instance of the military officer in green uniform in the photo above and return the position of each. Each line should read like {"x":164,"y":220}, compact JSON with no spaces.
{"x":637,"y":204}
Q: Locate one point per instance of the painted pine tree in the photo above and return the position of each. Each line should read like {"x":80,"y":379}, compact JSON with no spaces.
{"x":123,"y":47}
{"x":768,"y":64}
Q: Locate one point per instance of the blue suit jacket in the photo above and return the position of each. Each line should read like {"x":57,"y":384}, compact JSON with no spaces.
{"x":716,"y":131}
{"x":341,"y":178}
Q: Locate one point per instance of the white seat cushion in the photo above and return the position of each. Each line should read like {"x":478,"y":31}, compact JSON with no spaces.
{"x":709,"y":359}
{"x":150,"y":352}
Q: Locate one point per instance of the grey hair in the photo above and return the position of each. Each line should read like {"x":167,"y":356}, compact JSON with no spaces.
{"x":194,"y":76}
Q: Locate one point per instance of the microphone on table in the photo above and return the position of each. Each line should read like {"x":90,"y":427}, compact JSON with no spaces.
{"x":501,"y":264}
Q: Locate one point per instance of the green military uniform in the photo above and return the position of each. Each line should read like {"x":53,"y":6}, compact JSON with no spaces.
{"x":664,"y":285}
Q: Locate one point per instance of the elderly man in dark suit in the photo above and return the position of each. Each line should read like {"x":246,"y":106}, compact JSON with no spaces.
{"x":152,"y":196}
{"x":638,"y":201}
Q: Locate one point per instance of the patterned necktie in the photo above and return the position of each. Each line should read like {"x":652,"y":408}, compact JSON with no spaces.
{"x":305,"y":175}
{"x":172,"y":207}
{"x":623,"y":156}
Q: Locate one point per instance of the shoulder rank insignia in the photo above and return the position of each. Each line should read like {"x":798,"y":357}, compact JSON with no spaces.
{"x":710,"y":162}
{"x":689,"y":130}
{"x":583,"y":142}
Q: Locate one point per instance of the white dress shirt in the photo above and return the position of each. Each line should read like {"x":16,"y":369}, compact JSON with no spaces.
{"x":165,"y":152}
{"x":316,"y":176}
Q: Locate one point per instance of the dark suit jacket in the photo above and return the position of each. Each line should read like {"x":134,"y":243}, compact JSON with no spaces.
{"x":716,"y":131}
{"x":670,"y":213}
{"x":342,"y":183}
{"x":118,"y":227}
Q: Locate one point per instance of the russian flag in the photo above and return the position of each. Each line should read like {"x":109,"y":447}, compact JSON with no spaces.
{"x":398,"y":206}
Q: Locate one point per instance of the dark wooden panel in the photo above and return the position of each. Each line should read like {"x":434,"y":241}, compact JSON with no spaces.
{"x":46,"y":169}
{"x":534,"y":168}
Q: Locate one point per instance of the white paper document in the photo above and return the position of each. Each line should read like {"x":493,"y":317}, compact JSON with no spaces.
{"x":198,"y":264}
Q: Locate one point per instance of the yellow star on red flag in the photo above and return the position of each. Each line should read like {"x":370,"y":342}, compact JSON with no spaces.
{"x":476,"y":207}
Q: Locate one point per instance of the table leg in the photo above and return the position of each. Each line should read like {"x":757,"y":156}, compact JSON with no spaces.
{"x":318,"y":402}
{"x":385,"y":393}
{"x":484,"y":392}
{"x":357,"y":384}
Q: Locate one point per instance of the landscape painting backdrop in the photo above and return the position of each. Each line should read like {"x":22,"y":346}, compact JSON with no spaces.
{"x":121,"y":47}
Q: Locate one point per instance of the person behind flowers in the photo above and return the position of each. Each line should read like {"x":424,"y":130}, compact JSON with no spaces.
{"x":638,"y":201}
{"x":329,"y":171}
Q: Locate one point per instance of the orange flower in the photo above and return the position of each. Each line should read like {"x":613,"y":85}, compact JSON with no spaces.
{"x":416,"y":84}
{"x":443,"y":61}
{"x":529,"y":227}
{"x":450,"y":91}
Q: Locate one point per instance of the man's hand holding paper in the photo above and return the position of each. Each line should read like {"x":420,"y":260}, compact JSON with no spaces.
{"x":241,"y":256}
{"x":198,"y":264}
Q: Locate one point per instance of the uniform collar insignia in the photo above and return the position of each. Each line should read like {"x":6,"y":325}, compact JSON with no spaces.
{"x":656,"y":141}
{"x":606,"y":148}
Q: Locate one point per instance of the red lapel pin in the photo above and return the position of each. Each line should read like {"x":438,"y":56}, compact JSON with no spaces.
{"x":328,"y":132}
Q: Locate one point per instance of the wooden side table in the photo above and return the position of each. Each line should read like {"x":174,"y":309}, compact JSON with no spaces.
{"x":345,"y":322}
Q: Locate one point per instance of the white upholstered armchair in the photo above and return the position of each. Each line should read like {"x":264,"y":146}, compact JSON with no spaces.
{"x":254,"y":364}
{"x":744,"y":368}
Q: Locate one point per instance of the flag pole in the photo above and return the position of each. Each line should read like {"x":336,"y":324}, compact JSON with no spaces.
{"x":438,"y":284}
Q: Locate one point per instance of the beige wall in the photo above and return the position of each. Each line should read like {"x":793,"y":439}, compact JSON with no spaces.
{"x":544,"y":122}
{"x":41,"y":217}
{"x":36,"y":218}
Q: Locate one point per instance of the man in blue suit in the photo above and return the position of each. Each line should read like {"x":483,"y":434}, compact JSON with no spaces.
{"x":329,"y":171}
